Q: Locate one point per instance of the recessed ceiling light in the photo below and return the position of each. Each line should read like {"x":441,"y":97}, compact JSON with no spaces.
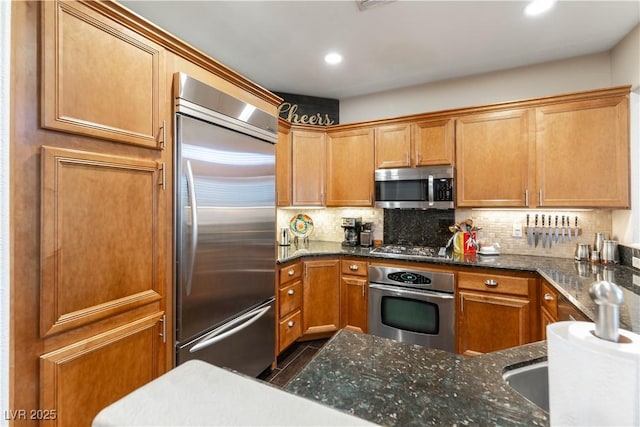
{"x":538,"y":7}
{"x":333,"y":58}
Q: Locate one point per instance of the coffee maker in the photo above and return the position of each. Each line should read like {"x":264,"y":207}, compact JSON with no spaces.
{"x":366,"y":235}
{"x":352,"y":228}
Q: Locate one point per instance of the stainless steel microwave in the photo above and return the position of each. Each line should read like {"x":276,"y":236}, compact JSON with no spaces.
{"x":428,"y":187}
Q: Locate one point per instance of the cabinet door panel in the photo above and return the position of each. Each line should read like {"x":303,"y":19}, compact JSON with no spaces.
{"x":101,"y":237}
{"x":81,"y":379}
{"x":489,"y":323}
{"x":582,"y":152}
{"x":321,"y":297}
{"x":492,"y":159}
{"x":283,"y":166}
{"x":433,"y":142}
{"x":308,"y":168}
{"x":393,"y":146}
{"x":99,"y":78}
{"x":350,"y":168}
{"x":354,"y":303}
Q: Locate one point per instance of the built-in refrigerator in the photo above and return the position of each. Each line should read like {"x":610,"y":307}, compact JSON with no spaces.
{"x":224,"y":241}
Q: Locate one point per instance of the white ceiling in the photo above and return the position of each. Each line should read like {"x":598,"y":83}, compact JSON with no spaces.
{"x":280,"y":45}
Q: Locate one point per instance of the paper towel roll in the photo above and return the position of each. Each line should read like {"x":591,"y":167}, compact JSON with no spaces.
{"x":592,"y":382}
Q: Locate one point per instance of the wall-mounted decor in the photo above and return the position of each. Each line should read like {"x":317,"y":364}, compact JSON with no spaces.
{"x":309,"y":110}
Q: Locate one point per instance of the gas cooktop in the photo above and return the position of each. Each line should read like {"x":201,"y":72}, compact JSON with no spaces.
{"x":408,"y":251}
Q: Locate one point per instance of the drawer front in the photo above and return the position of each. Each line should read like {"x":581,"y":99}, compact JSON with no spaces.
{"x":290,"y":272}
{"x":494,"y":283}
{"x":354,"y":268}
{"x":549,"y":298}
{"x":290,"y":329}
{"x":290,"y":298}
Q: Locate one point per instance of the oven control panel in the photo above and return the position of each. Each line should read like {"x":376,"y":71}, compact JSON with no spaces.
{"x":408,"y":277}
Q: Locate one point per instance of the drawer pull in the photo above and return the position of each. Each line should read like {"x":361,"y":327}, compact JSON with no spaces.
{"x":291,"y":323}
{"x":548,"y":297}
{"x":291,"y":272}
{"x":490,"y":282}
{"x":353,"y":267}
{"x":291,"y":292}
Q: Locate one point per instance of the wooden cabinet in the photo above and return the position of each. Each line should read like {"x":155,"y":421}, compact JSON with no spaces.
{"x":308,"y":165}
{"x":289,"y":304}
{"x":548,"y":307}
{"x":283,"y":164}
{"x":422,"y":143}
{"x":350,"y":168}
{"x":568,"y":151}
{"x":493,"y":152}
{"x":582,"y":152}
{"x":100,"y":78}
{"x":321,"y":297}
{"x":495,"y":311}
{"x":354,"y":290}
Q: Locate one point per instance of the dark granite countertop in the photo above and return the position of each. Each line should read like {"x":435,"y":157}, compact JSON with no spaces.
{"x":570,"y":278}
{"x":397,"y":384}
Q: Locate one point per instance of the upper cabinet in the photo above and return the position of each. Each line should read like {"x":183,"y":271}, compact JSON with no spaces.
{"x":308,"y":153}
{"x":283,"y":164}
{"x":99,"y":78}
{"x":492,"y":159}
{"x":582,"y":152}
{"x":422,"y":143}
{"x":569,"y":151}
{"x":350,"y":168}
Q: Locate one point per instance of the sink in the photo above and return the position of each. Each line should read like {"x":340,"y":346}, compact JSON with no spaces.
{"x":532,"y":382}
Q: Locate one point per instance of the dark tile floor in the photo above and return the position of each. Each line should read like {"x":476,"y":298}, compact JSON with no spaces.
{"x":291,"y":361}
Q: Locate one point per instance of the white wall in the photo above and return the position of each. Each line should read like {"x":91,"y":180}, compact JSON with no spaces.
{"x":551,"y":78}
{"x":5,"y":52}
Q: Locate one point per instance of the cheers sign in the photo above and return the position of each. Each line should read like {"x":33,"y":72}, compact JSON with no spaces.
{"x":309,"y":110}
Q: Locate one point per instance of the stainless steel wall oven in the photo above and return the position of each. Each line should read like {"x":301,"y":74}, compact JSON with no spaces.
{"x":412,"y":305}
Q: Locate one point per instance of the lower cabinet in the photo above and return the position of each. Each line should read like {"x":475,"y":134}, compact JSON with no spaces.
{"x":321,"y":297}
{"x":354,"y":293}
{"x":548,"y":307}
{"x":289,"y":305}
{"x":495,"y":312}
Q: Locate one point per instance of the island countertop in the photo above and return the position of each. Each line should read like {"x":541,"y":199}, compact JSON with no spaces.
{"x":571,"y":278}
{"x":398,"y":384}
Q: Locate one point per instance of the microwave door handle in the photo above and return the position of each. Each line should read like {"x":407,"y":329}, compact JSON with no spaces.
{"x":194,"y":226}
{"x":230,"y":329}
{"x":430,"y":185}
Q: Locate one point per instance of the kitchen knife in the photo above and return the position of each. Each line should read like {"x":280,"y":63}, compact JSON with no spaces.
{"x":550,"y":232}
{"x":568,"y":227}
{"x":576,"y":229}
{"x":556,"y":229}
{"x":529,"y":232}
{"x":544,"y":237}
{"x":562,"y":228}
{"x":535,"y":236}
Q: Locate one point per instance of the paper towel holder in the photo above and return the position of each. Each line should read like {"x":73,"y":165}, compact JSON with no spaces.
{"x":608,"y":296}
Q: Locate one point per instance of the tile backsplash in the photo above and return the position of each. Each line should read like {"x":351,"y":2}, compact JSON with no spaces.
{"x":417,"y":226}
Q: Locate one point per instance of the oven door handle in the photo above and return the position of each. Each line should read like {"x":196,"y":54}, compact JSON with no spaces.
{"x":404,"y":291}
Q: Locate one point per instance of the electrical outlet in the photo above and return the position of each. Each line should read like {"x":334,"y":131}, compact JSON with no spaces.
{"x":517,"y":230}
{"x":635,"y":262}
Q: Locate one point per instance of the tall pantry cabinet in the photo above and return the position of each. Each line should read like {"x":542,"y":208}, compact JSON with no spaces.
{"x":91,"y":207}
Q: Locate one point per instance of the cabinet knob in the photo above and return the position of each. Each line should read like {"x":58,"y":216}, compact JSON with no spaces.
{"x":291,"y":323}
{"x":548,"y":297}
{"x":353,"y":267}
{"x":291,"y":292}
{"x":490,"y":282}
{"x":291,"y":272}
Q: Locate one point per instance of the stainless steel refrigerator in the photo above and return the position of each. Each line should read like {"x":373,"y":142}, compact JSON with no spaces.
{"x":224,"y":241}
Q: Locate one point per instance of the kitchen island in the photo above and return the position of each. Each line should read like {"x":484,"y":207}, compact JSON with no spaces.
{"x":570,"y":278}
{"x":397,"y":384}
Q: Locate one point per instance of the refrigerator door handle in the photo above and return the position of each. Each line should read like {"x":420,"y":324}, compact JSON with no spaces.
{"x":194,"y":225}
{"x":230,"y":329}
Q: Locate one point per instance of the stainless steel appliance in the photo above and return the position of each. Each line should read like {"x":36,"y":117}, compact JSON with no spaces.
{"x":410,"y":252}
{"x":225,"y":238}
{"x":428,"y":187}
{"x":412,"y":305}
{"x":352,"y":228}
{"x":366,"y":235}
